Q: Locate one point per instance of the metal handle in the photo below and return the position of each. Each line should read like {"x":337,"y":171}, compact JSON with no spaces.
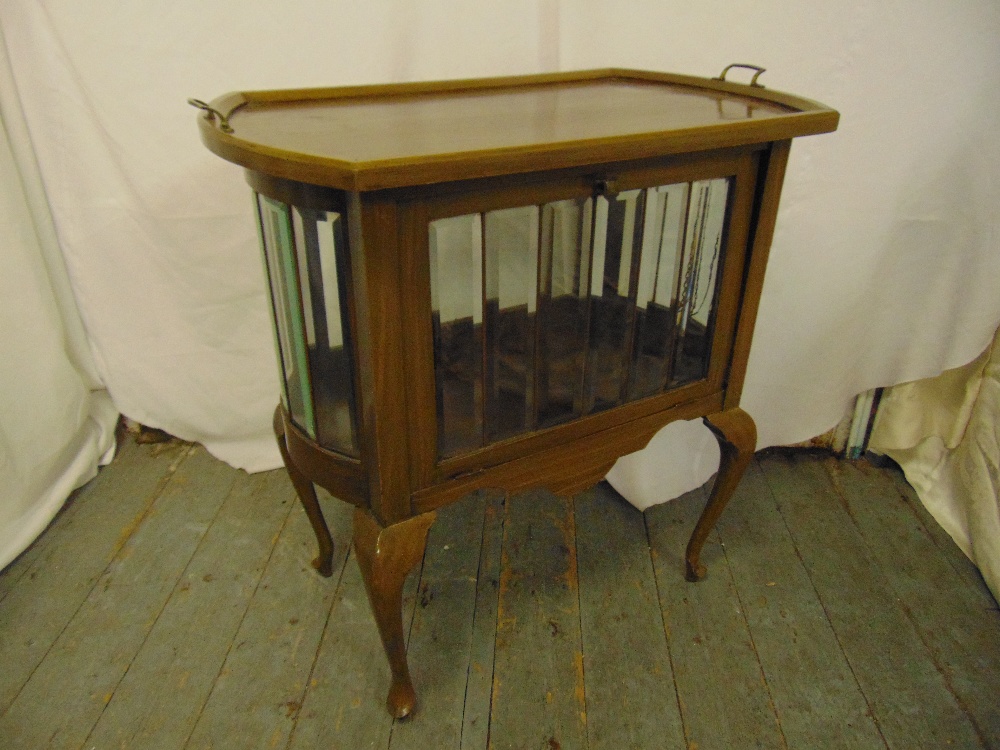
{"x":211,"y":113}
{"x":753,"y":81}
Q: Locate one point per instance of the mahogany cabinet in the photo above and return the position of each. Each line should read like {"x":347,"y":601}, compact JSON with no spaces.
{"x":505,"y":283}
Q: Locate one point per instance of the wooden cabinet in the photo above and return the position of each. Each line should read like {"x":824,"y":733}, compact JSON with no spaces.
{"x":505,"y":283}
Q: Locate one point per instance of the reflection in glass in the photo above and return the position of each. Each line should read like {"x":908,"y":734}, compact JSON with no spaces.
{"x":550,"y":312}
{"x":562,"y":309}
{"x":306,"y":260}
{"x":511,"y":268}
{"x":279,"y":257}
{"x":321,"y":250}
{"x":656,"y":295}
{"x":456,"y":255}
{"x":696,"y":304}
{"x":617,"y":241}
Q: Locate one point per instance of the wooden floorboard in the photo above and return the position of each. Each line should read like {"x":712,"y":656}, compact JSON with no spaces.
{"x":442,"y":631}
{"x":47,"y":585}
{"x":159,"y":700}
{"x":538,"y":680}
{"x":815,"y":692}
{"x":630,"y":695}
{"x":482,"y":648}
{"x":955,"y":629}
{"x":172,"y":605}
{"x":66,"y":695}
{"x":259,"y":690}
{"x":720,"y":684}
{"x":908,"y":695}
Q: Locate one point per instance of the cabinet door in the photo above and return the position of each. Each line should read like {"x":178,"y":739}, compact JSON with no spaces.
{"x":544,"y":311}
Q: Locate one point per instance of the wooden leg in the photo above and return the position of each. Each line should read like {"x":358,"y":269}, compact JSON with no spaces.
{"x":307,"y":495}
{"x":386,"y":554}
{"x":737,"y":436}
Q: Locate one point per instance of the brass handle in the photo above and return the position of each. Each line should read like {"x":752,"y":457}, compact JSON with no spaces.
{"x":211,"y":113}
{"x":753,"y":81}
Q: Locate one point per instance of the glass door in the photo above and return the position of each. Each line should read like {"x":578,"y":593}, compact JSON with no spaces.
{"x":550,"y":310}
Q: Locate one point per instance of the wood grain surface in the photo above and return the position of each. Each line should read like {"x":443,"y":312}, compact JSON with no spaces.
{"x":174,"y":607}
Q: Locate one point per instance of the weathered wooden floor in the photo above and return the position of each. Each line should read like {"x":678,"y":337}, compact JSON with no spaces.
{"x":171,"y":605}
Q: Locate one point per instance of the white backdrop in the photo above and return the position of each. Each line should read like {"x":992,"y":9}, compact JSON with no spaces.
{"x":883,"y":268}
{"x":56,"y":420}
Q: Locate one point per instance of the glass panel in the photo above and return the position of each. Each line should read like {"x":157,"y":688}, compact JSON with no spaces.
{"x":562,"y":309}
{"x":656,"y":296}
{"x":699,"y":278}
{"x":543,"y":314}
{"x":618,"y":226}
{"x":511,"y":269}
{"x":456,"y":260}
{"x":323,"y":259}
{"x":280,"y":257}
{"x":277,"y":310}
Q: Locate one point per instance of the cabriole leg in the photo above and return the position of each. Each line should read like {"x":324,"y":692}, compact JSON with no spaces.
{"x":737,"y":436}
{"x":307,"y":496}
{"x":386,"y":554}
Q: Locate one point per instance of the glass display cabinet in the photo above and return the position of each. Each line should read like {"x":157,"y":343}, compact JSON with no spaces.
{"x":505,"y":283}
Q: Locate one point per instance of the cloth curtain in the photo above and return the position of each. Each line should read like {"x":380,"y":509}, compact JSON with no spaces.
{"x":56,"y":420}
{"x":882,"y":268}
{"x":885,"y":259}
{"x":945,"y":434}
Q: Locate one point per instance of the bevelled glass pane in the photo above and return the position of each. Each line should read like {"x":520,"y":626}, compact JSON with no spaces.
{"x":511,"y":278}
{"x":656,"y":293}
{"x":703,"y":254}
{"x":456,"y":265}
{"x":546,"y":313}
{"x":323,"y":258}
{"x":562,"y":309}
{"x":616,"y":249}
{"x":281,"y":261}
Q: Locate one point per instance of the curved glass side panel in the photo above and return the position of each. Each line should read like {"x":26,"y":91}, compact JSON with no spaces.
{"x":286,"y":304}
{"x":324,"y":271}
{"x":307,"y":264}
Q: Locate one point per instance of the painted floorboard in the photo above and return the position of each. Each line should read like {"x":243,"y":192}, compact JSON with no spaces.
{"x":80,"y":674}
{"x":344,"y":703}
{"x":815,"y":693}
{"x":441,"y":634}
{"x":158,"y":701}
{"x":538,"y":680}
{"x":832,"y":602}
{"x":60,"y":570}
{"x":631,"y":700}
{"x":725,"y":701}
{"x":479,"y":688}
{"x":131,"y":465}
{"x":968,"y":573}
{"x":879,"y":641}
{"x":958,"y":631}
{"x":259,"y":690}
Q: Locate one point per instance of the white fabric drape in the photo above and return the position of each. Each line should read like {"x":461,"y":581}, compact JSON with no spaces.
{"x":158,"y":233}
{"x":885,"y":260}
{"x":883,"y":267}
{"x":56,"y":420}
{"x":945,"y":434}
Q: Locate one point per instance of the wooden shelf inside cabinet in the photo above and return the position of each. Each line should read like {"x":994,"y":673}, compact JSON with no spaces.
{"x":505,"y":283}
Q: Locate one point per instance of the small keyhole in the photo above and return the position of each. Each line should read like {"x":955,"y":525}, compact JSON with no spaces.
{"x":605,"y":186}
